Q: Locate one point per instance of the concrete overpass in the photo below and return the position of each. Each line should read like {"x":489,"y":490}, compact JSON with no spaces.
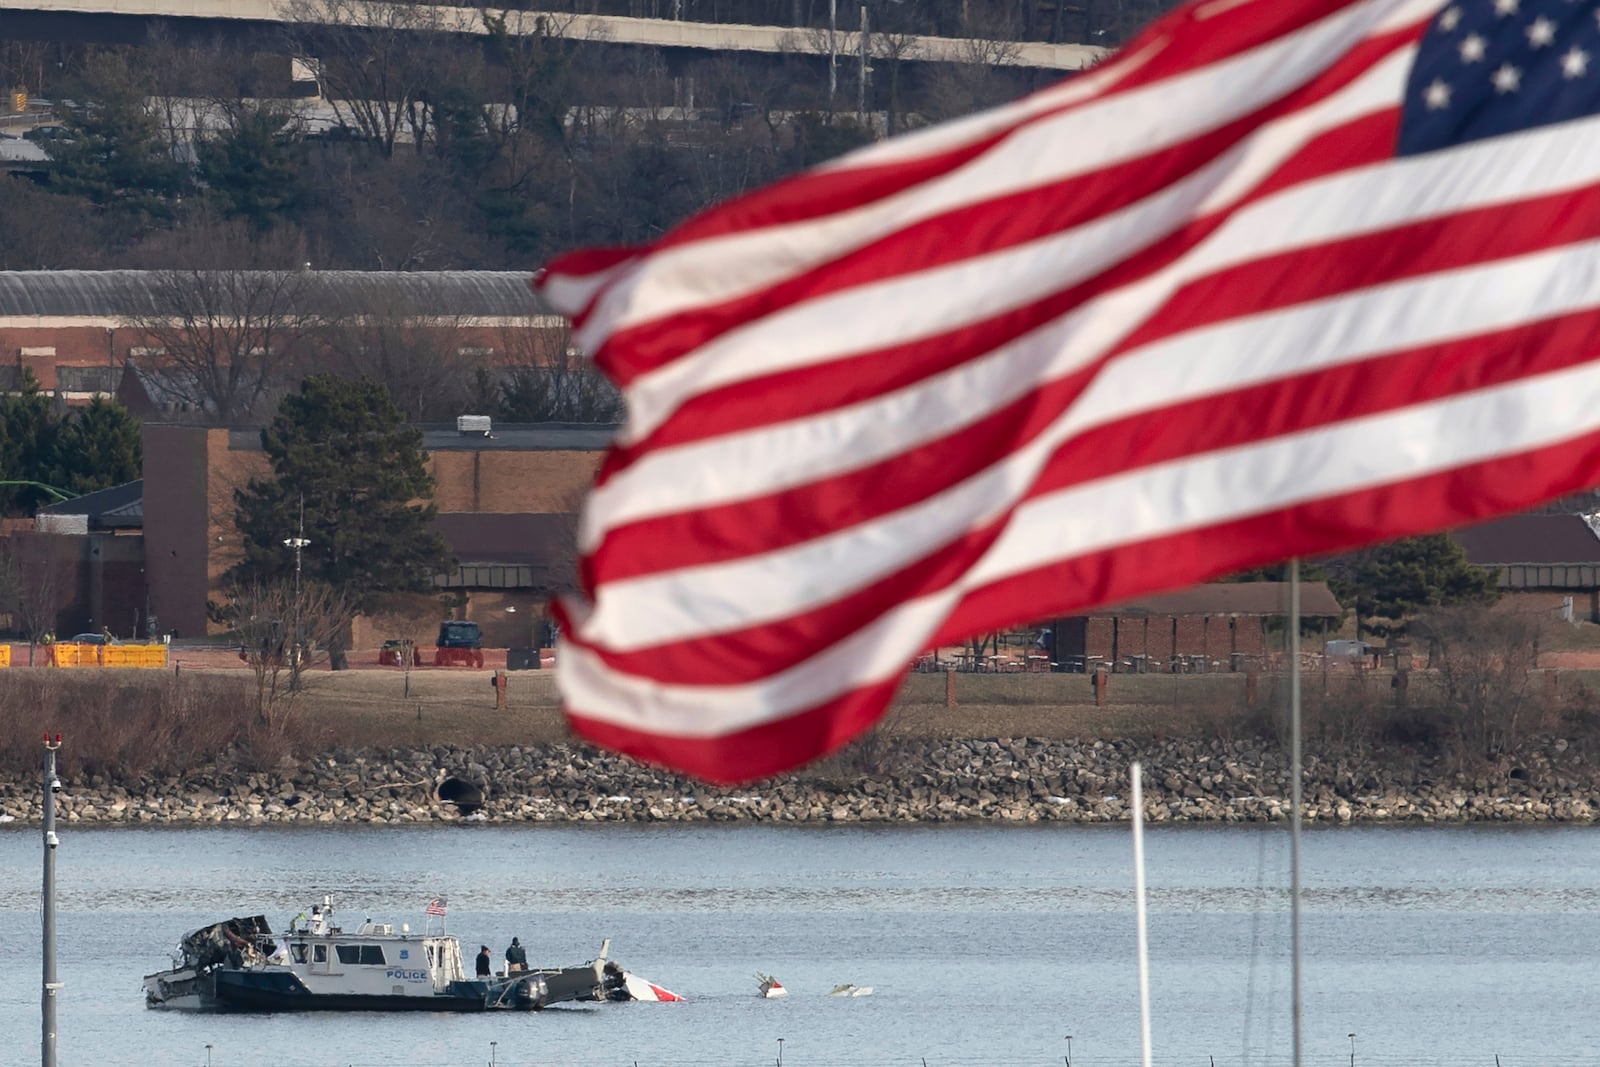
{"x":126,"y":20}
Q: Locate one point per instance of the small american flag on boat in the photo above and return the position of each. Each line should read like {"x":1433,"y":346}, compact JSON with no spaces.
{"x":436,"y":906}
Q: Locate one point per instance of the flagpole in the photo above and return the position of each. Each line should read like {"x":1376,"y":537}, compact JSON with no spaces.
{"x":1295,"y":799}
{"x":1136,"y":775}
{"x":52,"y":984}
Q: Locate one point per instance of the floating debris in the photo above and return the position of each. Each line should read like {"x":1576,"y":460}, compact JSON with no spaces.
{"x":771,"y":988}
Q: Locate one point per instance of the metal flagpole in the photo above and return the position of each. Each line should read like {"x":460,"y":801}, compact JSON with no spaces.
{"x":47,"y":999}
{"x":1295,"y":799}
{"x":1136,"y":774}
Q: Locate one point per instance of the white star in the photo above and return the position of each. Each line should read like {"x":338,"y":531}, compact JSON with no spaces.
{"x":1507,"y":79}
{"x":1575,"y":63}
{"x":1541,"y":33}
{"x":1437,"y":95}
{"x":1472,"y":48}
{"x":1450,"y":19}
{"x":1505,"y":7}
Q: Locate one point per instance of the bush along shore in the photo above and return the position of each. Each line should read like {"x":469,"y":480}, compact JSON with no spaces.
{"x":881,"y":781}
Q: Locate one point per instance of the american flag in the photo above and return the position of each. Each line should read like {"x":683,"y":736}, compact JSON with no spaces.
{"x":1280,"y":278}
{"x":436,"y":906}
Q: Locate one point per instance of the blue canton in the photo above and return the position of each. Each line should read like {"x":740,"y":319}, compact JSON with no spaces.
{"x":1489,"y":67}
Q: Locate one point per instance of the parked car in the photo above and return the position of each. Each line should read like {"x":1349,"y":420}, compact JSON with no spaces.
{"x":392,"y":654}
{"x":48,"y":134}
{"x":460,"y":643}
{"x":92,"y":639}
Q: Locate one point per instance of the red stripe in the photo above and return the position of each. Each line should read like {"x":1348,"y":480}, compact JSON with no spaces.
{"x":792,"y":517}
{"x":803,"y":391}
{"x":1201,"y":426}
{"x":984,"y":226}
{"x":1070,"y":586}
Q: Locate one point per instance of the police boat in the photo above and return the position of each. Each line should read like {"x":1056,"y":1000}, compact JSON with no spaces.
{"x":241,"y":965}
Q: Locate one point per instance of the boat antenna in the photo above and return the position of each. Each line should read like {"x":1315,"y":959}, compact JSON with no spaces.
{"x":1136,"y":775}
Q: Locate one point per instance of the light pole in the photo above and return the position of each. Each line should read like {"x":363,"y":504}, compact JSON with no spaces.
{"x":47,"y":999}
{"x":1069,"y":1050}
{"x":780,"y":1052}
{"x":1352,"y":1038}
{"x":492,"y":1060}
{"x":208,"y":1056}
{"x":297,"y":543}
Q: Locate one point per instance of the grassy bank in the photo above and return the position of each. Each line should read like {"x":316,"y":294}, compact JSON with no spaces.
{"x":139,"y":721}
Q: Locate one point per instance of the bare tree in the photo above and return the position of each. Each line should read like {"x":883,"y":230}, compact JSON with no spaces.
{"x":223,"y":340}
{"x":34,"y":585}
{"x":374,"y":61}
{"x":983,"y":74}
{"x":284,"y":629}
{"x":550,"y":380}
{"x":425,"y":361}
{"x":1485,"y":661}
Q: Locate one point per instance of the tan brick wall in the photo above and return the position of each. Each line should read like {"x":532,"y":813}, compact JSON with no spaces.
{"x":533,"y":483}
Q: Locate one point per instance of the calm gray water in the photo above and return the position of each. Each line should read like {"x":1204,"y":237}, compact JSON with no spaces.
{"x":984,"y":945}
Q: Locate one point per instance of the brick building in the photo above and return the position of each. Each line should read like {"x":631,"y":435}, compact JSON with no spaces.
{"x":1205,"y":627}
{"x":73,"y":329}
{"x":507,"y":507}
{"x":82,"y":564}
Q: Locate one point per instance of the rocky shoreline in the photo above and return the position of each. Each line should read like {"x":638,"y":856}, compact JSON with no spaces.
{"x":905,"y":781}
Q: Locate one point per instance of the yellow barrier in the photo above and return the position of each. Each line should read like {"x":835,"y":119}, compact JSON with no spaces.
{"x":149,"y":657}
{"x":5,"y":655}
{"x":68,"y":654}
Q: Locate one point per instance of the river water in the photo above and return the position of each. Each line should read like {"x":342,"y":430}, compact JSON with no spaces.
{"x":984,"y":945}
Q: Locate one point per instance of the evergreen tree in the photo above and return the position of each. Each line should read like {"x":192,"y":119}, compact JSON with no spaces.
{"x":342,"y":450}
{"x":252,"y":168}
{"x":99,"y":447}
{"x":30,"y":446}
{"x":1394,"y":582}
{"x":115,"y":157}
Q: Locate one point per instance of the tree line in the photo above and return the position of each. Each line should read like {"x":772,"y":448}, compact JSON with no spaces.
{"x":454,"y":152}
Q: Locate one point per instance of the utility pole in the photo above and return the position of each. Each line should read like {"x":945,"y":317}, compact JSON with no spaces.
{"x":861,"y":84}
{"x":47,"y":999}
{"x":833,"y":53}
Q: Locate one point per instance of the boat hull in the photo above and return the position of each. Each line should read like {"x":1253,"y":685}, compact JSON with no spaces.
{"x":282,"y":991}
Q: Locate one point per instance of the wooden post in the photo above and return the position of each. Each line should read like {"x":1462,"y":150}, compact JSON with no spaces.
{"x":949,"y":687}
{"x":1250,"y":689}
{"x":1099,"y":688}
{"x":499,"y":690}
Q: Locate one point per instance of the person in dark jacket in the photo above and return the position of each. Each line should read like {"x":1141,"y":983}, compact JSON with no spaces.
{"x":484,"y":966}
{"x":516,"y":957}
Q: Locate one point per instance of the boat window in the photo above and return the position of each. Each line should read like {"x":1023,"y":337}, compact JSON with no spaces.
{"x":319,"y":953}
{"x":368,"y":954}
{"x":299,"y":953}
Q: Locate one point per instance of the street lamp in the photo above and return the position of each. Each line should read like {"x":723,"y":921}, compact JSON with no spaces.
{"x":298,"y":542}
{"x":780,"y":1052}
{"x":1069,"y":1050}
{"x":1352,"y":1049}
{"x":492,"y":1044}
{"x":208,"y":1056}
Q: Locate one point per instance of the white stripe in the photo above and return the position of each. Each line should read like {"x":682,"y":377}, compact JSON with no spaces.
{"x":712,"y":598}
{"x":914,"y":306}
{"x":1190,"y":493}
{"x":1120,"y":127}
{"x":1539,"y":162}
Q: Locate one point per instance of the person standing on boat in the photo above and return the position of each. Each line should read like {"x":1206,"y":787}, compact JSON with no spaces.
{"x":516,"y":958}
{"x":484,"y":965}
